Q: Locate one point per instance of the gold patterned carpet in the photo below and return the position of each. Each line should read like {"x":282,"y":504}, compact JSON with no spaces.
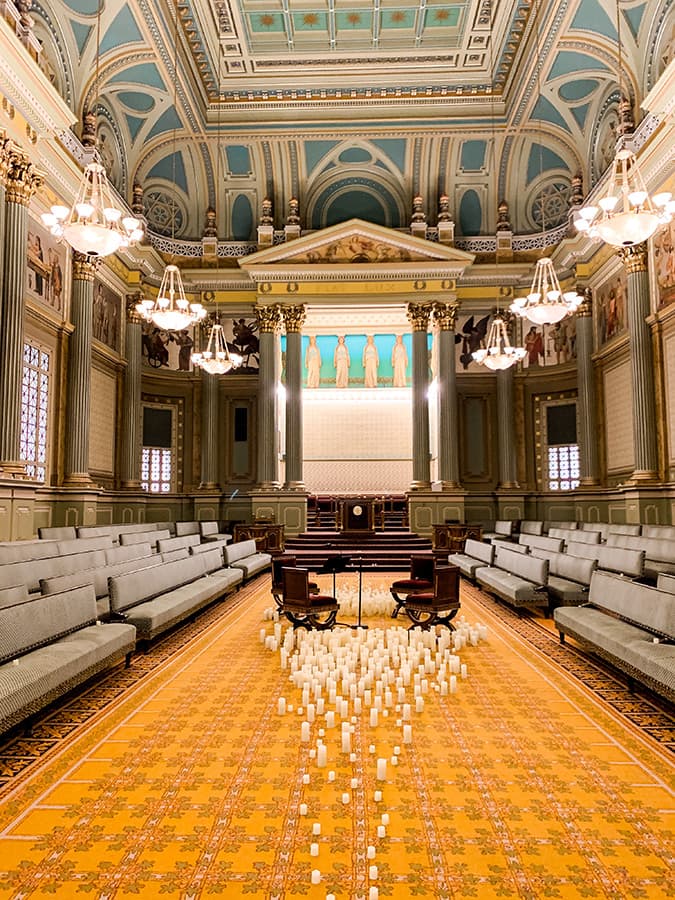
{"x":190,"y":784}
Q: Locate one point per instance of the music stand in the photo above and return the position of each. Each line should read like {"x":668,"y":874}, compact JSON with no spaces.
{"x":334,"y":564}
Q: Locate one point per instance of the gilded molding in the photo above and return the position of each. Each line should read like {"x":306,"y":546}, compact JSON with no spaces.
{"x":133,"y":316}
{"x":585,"y":309}
{"x":634,"y":258}
{"x":84,"y":267}
{"x":5,"y":157}
{"x":445,"y":315}
{"x":268,"y":318}
{"x":418,"y":315}
{"x":22,"y":178}
{"x":294,"y":317}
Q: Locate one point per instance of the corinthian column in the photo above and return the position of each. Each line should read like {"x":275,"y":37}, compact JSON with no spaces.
{"x":268,"y":318}
{"x":641,"y":363}
{"x":294,"y":319}
{"x":78,"y":394}
{"x":131,"y":410}
{"x":209,"y":475}
{"x":418,"y":316}
{"x":21,"y":182}
{"x":445,"y":315}
{"x":588,"y":434}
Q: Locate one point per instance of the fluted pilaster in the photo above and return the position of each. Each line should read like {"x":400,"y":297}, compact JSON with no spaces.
{"x":506,"y":429}
{"x":445,"y":315}
{"x":78,"y":395}
{"x":209,"y":474}
{"x":21,"y":182}
{"x":418,"y":315}
{"x":131,"y":411}
{"x":587,"y":414}
{"x":268,"y":318}
{"x":294,"y":318}
{"x":641,"y":362}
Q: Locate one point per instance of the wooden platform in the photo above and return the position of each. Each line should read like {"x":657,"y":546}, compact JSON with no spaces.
{"x":387,"y":550}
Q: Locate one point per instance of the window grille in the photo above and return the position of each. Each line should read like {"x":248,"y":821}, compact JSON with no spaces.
{"x":35,"y":410}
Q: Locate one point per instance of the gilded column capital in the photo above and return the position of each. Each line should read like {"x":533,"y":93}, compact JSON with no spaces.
{"x":84,"y":266}
{"x":634,"y":258}
{"x":294,"y":317}
{"x":585,"y":308}
{"x":22,"y":178}
{"x":132,"y":300}
{"x":268,"y":318}
{"x":418,"y":316}
{"x":5,"y":157}
{"x":445,"y":315}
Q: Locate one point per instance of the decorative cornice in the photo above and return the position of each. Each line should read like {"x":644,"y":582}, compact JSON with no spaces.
{"x":268,"y":318}
{"x":294,"y":317}
{"x":84,"y":267}
{"x":445,"y":315}
{"x":22,"y":178}
{"x":418,"y":315}
{"x":635,"y":258}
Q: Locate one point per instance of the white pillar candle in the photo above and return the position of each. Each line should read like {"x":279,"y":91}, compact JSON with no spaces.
{"x":397,"y":750}
{"x":357,"y":705}
{"x":321,"y":756}
{"x":373,"y":717}
{"x":405,"y":712}
{"x":381,"y":831}
{"x":303,"y":809}
{"x":407,"y":734}
{"x":304,"y":732}
{"x":444,"y":688}
{"x":281,"y":705}
{"x":346,"y":742}
{"x":372,"y":873}
{"x":313,"y":849}
{"x":330,"y":719}
{"x":316,"y":828}
{"x":311,"y":712}
{"x":354,"y":783}
{"x":419,"y":704}
{"x":345,"y":798}
{"x":385,"y":818}
{"x":320,"y":706}
{"x":381,"y":769}
{"x":464,"y":670}
{"x":312,"y":753}
{"x":453,"y":684}
{"x":305,"y":778}
{"x":373,"y":893}
{"x":352,"y":757}
{"x":367,"y":698}
{"x":377,"y":796}
{"x":263,"y":635}
{"x":370,"y":852}
{"x":331,"y":775}
{"x":316,"y":876}
{"x":394,"y":760}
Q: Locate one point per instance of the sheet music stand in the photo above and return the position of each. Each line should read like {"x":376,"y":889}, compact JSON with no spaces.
{"x":334,"y":564}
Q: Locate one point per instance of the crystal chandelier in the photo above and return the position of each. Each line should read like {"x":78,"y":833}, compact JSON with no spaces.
{"x":171,"y":310}
{"x":498,"y":354}
{"x":95,"y":224}
{"x":625,"y":215}
{"x":546,"y":303}
{"x":216,"y":359}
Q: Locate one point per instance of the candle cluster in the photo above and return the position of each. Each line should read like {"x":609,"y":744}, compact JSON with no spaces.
{"x":344,"y":682}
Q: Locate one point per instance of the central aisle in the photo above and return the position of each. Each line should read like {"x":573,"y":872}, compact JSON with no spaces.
{"x":520,"y":785}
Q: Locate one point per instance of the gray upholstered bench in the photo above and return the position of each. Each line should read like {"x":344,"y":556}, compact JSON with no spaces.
{"x":517,"y":578}
{"x":575,"y":534}
{"x":611,"y":559}
{"x":569,"y":577}
{"x":630,"y":625}
{"x":209,"y":532}
{"x":660,"y":532}
{"x":49,"y":645}
{"x":176,"y":591}
{"x":659,"y":553}
{"x":476,"y":554}
{"x":166,"y":545}
{"x":183,"y":528}
{"x":542,"y":542}
{"x":245,"y":556}
{"x":531,"y":526}
{"x":504,"y":528}
{"x":31,"y":571}
{"x":128,"y":538}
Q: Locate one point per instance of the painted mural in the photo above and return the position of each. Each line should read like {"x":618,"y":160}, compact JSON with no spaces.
{"x":45,"y":271}
{"x":664,"y":264}
{"x":106,"y":315}
{"x":549,"y":345}
{"x":167,"y":349}
{"x":610,"y":308}
{"x":356,"y":360}
{"x":355,"y":249}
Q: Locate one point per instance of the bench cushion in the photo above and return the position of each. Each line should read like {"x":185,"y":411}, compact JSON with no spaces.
{"x":183,"y":528}
{"x":542,"y":542}
{"x":611,"y":559}
{"x":31,"y":571}
{"x":643,"y":605}
{"x":251,"y":565}
{"x":234,"y":552}
{"x":530,"y":526}
{"x":165,"y":545}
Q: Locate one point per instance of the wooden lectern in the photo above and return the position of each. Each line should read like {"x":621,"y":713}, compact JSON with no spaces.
{"x":357,"y":516}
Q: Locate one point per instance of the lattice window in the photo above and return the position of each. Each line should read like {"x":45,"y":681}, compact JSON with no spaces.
{"x":563,"y":467}
{"x":156,"y":470}
{"x":35,"y":410}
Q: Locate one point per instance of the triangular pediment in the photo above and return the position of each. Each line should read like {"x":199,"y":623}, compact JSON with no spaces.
{"x":356,"y":243}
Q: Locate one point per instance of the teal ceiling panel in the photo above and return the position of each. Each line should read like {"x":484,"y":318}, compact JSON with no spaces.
{"x":354,"y":20}
{"x":136,"y":100}
{"x":266,"y":22}
{"x":355,"y":155}
{"x":123,"y":30}
{"x":242,"y":219}
{"x":569,"y":62}
{"x":134,"y":124}
{"x":443,"y":16}
{"x":580,"y":113}
{"x":394,"y":149}
{"x":542,"y":159}
{"x":470,"y":214}
{"x":398,"y":18}
{"x":545,"y":111}
{"x":81,"y":34}
{"x":83,"y":7}
{"x":634,"y":18}
{"x":578,"y":89}
{"x":171,"y":168}
{"x":146,"y":74}
{"x":166,"y":122}
{"x":356,"y":204}
{"x":472,"y":157}
{"x":315,"y":152}
{"x":592,"y":17}
{"x":310,"y":20}
{"x":238,"y":160}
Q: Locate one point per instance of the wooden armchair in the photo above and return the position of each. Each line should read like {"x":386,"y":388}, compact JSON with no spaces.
{"x":422,"y":567}
{"x":438,"y":606}
{"x":286,"y":560}
{"x":302,"y":607}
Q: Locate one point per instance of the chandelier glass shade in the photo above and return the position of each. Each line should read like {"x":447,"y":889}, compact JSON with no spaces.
{"x":171,"y":310}
{"x":625,"y":215}
{"x":498,"y":352}
{"x":95,"y":224}
{"x":216,"y":359}
{"x":546,"y":303}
